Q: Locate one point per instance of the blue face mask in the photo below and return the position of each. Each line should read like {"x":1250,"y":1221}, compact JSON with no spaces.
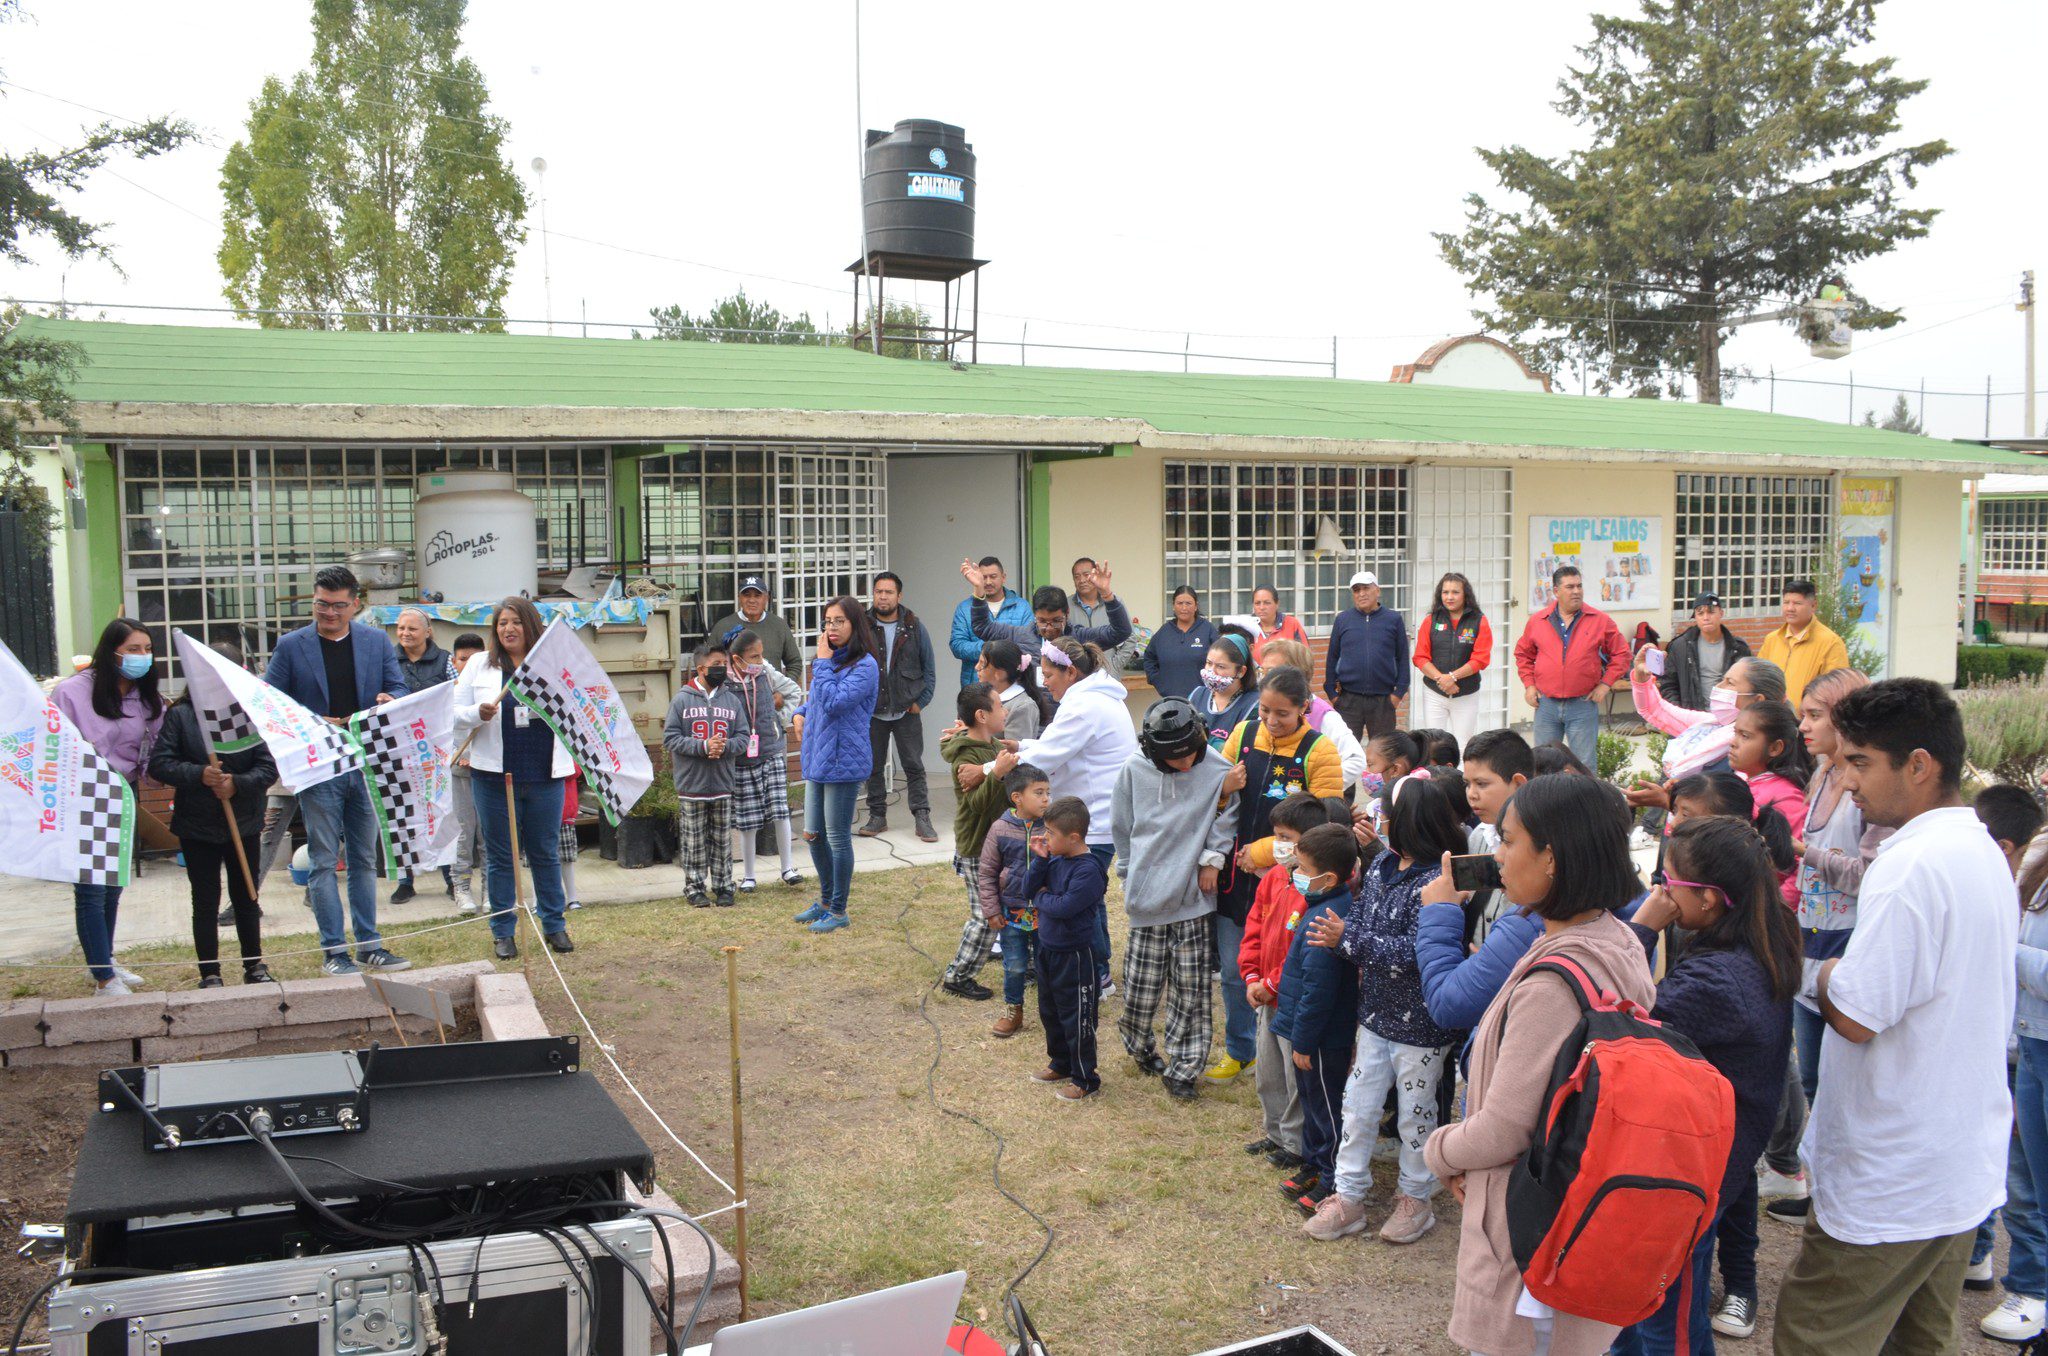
{"x":136,"y":667}
{"x":1302,"y":881}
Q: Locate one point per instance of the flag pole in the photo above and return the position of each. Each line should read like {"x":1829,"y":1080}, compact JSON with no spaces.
{"x":234,"y":831}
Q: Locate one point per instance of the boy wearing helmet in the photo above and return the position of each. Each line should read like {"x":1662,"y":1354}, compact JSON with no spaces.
{"x":1172,"y":816}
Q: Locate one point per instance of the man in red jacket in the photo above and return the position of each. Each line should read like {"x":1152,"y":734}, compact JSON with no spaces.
{"x":1570,"y":656}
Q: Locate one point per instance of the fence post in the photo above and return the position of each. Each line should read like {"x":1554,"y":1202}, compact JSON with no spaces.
{"x":1333,"y":357}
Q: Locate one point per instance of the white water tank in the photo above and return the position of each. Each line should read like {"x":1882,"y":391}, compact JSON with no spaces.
{"x":475,"y":538}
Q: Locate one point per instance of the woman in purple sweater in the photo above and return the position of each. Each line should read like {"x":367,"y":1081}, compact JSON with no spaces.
{"x":1729,"y":989}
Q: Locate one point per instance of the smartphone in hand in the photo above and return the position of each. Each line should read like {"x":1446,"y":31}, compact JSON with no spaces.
{"x":1476,"y":872}
{"x":1653,"y":660}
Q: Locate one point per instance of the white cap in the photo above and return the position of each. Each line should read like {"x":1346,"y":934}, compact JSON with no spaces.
{"x":1363,"y":578}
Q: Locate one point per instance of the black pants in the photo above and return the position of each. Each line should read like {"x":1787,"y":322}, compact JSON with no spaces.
{"x":1067,"y":993}
{"x":908,"y":732}
{"x":1321,"y":1088}
{"x":204,"y":863}
{"x":1366,"y":717}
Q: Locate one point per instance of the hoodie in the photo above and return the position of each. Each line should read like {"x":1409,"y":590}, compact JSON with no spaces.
{"x":696,"y":717}
{"x":1166,"y":826}
{"x":1086,"y":746}
{"x":1066,"y":891}
{"x":982,"y":806}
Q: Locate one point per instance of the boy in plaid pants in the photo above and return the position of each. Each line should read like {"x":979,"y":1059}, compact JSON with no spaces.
{"x":1173,"y":815}
{"x":700,"y":721}
{"x":981,"y":713}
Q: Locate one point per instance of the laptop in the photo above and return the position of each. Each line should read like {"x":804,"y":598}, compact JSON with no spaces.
{"x":904,"y":1320}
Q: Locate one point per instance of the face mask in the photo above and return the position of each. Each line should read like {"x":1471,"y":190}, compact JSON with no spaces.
{"x":1283,"y":852}
{"x":1216,"y":682}
{"x":1302,"y":881}
{"x":1373,"y":783}
{"x":747,"y":670}
{"x":136,"y":667}
{"x":714,"y":677}
{"x":1721,"y":703}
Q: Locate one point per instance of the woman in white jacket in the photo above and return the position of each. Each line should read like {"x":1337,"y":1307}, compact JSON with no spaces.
{"x":1090,"y":739}
{"x":514,"y":758}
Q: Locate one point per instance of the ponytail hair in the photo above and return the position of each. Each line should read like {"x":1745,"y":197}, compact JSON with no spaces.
{"x":1728,"y":854}
{"x":1398,"y":746}
{"x":1779,"y":724}
{"x":1006,"y":658}
{"x":1087,"y":658}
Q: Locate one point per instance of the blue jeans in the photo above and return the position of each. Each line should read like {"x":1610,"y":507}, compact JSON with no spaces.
{"x":1106,"y":854}
{"x":1240,"y":1023}
{"x":1659,"y":1332}
{"x":539,"y":807}
{"x":828,"y":819}
{"x":1019,"y":946}
{"x":338,"y":815}
{"x":2027,"y":1265}
{"x":1807,"y":1026}
{"x":94,"y":907}
{"x":1575,"y":720}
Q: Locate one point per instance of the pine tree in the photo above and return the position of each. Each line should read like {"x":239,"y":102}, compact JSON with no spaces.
{"x":1739,"y":156}
{"x":1900,"y":420}
{"x":738,"y":319}
{"x":375,"y":182}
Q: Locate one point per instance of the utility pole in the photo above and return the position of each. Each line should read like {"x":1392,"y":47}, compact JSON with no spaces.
{"x":2026,"y":303}
{"x":547,"y":282}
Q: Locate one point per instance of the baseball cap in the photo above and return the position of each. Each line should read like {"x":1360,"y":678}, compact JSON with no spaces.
{"x":1705,"y":598}
{"x":1364,"y":577}
{"x":752,"y":584}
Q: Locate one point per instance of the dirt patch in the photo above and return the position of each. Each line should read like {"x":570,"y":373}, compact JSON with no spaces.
{"x":1169,"y":1239}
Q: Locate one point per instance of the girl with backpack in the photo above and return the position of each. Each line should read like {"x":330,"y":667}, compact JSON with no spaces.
{"x":1563,"y":856}
{"x":1729,"y":988}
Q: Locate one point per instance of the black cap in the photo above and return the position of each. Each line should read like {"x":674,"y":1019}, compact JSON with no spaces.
{"x":1705,"y":598}
{"x":752,"y":584}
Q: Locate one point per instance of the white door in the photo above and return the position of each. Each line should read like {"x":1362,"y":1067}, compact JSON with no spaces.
{"x":1459,"y":521}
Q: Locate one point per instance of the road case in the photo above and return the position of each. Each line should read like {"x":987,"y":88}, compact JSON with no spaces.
{"x":505,"y":1293}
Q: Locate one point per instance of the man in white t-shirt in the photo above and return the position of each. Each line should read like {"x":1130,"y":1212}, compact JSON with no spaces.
{"x":1907,"y":1141}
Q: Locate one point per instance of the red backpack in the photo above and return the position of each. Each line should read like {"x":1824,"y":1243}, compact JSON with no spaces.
{"x":1622,"y":1179}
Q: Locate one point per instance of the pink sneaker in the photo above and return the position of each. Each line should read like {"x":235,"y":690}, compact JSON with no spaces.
{"x":1409,"y":1222}
{"x":1337,"y":1217}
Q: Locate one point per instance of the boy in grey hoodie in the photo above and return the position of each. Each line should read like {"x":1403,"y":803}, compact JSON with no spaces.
{"x":1173,"y":815}
{"x":698,"y":735}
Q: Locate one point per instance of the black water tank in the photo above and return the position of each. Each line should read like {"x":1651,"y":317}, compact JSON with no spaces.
{"x":917,"y":195}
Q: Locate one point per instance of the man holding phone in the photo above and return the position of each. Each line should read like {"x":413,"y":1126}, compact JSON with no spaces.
{"x":1699,"y":655}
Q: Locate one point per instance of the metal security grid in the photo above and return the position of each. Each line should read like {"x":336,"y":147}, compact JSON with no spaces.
{"x":1463,"y":523}
{"x":1235,"y":526}
{"x":223,"y":541}
{"x":812,"y":520}
{"x":1744,"y":536}
{"x":2015,"y":535}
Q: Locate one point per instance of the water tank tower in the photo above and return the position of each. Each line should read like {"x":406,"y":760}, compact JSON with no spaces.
{"x":475,"y":537}
{"x":917,"y":223}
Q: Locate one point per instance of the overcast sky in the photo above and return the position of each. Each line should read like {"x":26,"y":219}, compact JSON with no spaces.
{"x":1264,"y":176}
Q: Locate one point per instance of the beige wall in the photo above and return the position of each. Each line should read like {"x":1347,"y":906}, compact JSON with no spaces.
{"x":1112,"y":508}
{"x":1929,"y":526}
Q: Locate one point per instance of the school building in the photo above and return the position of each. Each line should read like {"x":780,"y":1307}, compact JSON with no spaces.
{"x":2007,"y":562}
{"x":213,"y":468}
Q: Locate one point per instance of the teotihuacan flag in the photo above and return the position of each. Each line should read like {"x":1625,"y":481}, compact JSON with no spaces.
{"x":236,"y":708}
{"x":561,"y":681}
{"x":408,"y":749}
{"x":65,"y":813}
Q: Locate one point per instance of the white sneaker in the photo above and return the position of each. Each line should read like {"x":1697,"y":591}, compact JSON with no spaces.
{"x":2019,"y":1319}
{"x":465,"y":902}
{"x":1639,"y":839}
{"x":1980,"y":1275}
{"x":113,"y":988}
{"x":130,"y":978}
{"x":1772,"y":1185}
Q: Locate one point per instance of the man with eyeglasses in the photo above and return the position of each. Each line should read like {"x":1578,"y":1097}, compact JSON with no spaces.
{"x":335,"y":668}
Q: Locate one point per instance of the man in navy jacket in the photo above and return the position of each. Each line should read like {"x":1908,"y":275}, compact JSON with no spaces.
{"x":335,"y":668}
{"x":1365,"y":670}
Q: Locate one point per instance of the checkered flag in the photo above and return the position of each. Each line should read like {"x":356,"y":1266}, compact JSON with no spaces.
{"x":562,"y":682}
{"x":236,"y":708}
{"x":407,"y":752}
{"x":65,"y":813}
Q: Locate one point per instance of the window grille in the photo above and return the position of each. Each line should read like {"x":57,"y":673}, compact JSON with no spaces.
{"x":1743,"y":536}
{"x":2014,"y":533}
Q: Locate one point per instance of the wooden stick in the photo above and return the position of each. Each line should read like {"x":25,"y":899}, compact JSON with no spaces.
{"x":234,"y":832}
{"x":739,"y":1138}
{"x":394,"y":1021}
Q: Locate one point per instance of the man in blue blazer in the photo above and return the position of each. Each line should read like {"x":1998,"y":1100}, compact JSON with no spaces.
{"x":335,"y":668}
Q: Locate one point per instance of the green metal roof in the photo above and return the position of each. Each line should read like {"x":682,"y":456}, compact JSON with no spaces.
{"x":191,"y":365}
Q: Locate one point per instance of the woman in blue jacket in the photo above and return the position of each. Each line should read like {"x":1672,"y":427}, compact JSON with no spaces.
{"x":837,"y":757}
{"x":1174,"y":658}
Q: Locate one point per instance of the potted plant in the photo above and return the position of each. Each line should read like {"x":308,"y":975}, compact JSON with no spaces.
{"x":644,"y":835}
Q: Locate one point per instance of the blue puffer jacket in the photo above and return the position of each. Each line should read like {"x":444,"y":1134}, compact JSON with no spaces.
{"x":1459,"y":985}
{"x":1318,"y":1008}
{"x":836,"y":714}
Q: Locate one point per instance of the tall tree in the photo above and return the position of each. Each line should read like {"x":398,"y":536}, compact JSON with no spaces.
{"x":738,"y":319}
{"x":375,"y":182}
{"x":1740,"y":155}
{"x":1899,"y":420}
{"x":34,"y":186}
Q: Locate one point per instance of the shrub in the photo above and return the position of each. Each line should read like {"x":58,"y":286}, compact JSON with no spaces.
{"x":2005,"y":728}
{"x":658,"y":801}
{"x":1614,"y":752}
{"x":1977,"y":665}
{"x":2026,"y":662}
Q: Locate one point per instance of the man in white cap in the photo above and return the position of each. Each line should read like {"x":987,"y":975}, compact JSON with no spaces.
{"x":778,"y":643}
{"x":1365,"y":670}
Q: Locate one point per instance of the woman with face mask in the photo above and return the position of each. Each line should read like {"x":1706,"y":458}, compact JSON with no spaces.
{"x":115,"y":705}
{"x":1228,"y":693}
{"x":1699,"y":739}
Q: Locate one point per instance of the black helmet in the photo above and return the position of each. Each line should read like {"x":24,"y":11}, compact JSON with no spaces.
{"x":1171,"y":730}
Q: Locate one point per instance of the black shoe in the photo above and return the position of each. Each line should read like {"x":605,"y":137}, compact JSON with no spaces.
{"x":403,"y":893}
{"x":700,"y":901}
{"x":1282,"y":1159}
{"x":1790,"y":1211}
{"x":922,"y":821}
{"x":504,"y":948}
{"x":1180,"y":1091}
{"x":559,"y":941}
{"x":969,"y":988}
{"x":1313,"y":1197}
{"x":227,"y":915}
{"x":259,"y":973}
{"x":1150,"y":1065}
{"x":724,"y":901}
{"x":1301,"y":1184}
{"x":1261,"y":1146}
{"x":212,"y":982}
{"x":876,"y":826}
{"x":383,"y":962}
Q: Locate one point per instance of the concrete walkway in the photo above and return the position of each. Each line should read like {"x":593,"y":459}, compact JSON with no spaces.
{"x":36,"y":915}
